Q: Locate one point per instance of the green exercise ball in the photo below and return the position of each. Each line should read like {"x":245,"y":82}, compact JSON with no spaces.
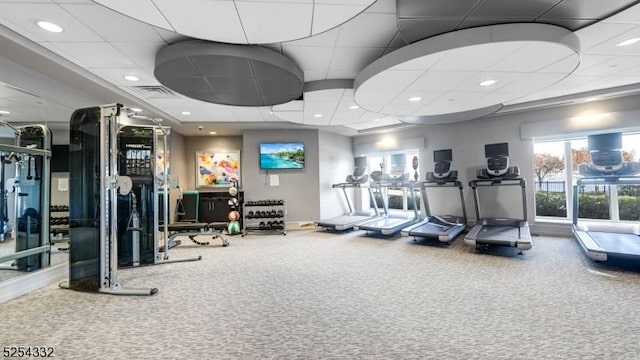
{"x":233,"y":228}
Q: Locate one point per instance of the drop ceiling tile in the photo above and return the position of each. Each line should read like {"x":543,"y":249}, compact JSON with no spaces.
{"x":232,"y":85}
{"x":142,"y":54}
{"x":246,"y":114}
{"x":330,"y":95}
{"x":597,"y":33}
{"x":609,"y":46}
{"x":585,"y":9}
{"x":203,"y":18}
{"x":354,"y":58}
{"x":373,"y":100}
{"x":391,"y":81}
{"x":243,"y":99}
{"x":454,"y":102}
{"x":313,"y":75}
{"x":368,"y":30}
{"x":566,"y":66}
{"x":95,"y":54}
{"x":615,"y":65}
{"x":25,"y":16}
{"x":476,"y":58}
{"x":438,"y":81}
{"x":528,"y":59}
{"x":221,"y":65}
{"x":112,"y":26}
{"x":434,"y":8}
{"x":263,"y":22}
{"x":522,"y":9}
{"x":326,"y":17}
{"x":326,"y":39}
{"x":145,"y":10}
{"x":532,"y":82}
{"x":342,"y":74}
{"x":413,"y":30}
{"x":170,"y":37}
{"x":309,"y":58}
{"x":503,"y":79}
{"x":290,"y":116}
{"x":421,"y":63}
{"x":402,"y":106}
{"x":116,"y":76}
{"x":387,"y":121}
{"x":630,"y":15}
{"x":219,"y":115}
{"x":632,"y":71}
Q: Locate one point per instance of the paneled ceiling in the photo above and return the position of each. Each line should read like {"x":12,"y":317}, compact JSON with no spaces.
{"x":105,"y":45}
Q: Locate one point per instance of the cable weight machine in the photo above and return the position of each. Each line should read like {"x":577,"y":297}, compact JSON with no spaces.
{"x":113,"y":199}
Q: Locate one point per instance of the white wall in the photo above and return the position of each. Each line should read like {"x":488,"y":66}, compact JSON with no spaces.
{"x":299,"y":188}
{"x":196,"y":143}
{"x":519,"y":129}
{"x":335,"y":163}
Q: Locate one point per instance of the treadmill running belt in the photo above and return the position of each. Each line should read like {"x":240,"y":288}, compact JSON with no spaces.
{"x":615,"y":243}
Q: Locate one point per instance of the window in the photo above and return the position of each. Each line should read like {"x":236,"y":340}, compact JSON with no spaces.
{"x":550,"y":180}
{"x":553,"y":193}
{"x":398,"y":198}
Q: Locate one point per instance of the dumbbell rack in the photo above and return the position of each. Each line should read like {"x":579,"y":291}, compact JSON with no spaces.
{"x":265,"y":216}
{"x":59,"y":225}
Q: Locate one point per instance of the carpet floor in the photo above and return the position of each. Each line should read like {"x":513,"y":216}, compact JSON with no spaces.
{"x":317,"y":295}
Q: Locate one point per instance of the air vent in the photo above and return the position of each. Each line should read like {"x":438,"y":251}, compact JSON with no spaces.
{"x":152,"y":91}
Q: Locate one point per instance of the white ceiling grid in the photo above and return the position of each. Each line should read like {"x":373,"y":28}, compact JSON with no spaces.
{"x":111,"y":45}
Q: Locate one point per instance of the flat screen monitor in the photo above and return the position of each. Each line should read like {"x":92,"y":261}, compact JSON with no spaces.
{"x":611,"y":141}
{"x":496,"y":150}
{"x":282,"y":155}
{"x":442,"y":155}
{"x":360,"y":162}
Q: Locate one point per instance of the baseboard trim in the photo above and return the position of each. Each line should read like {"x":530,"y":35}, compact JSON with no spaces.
{"x":22,"y":285}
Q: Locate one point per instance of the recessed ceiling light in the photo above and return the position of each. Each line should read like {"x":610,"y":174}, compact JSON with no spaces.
{"x":317,"y":115}
{"x":186,"y":113}
{"x":488,"y":82}
{"x":353,"y":107}
{"x":131,"y":77}
{"x":212,"y":132}
{"x":51,"y":27}
{"x":5,"y":112}
{"x":628,"y":42}
{"x":415,"y":98}
{"x":136,"y":109}
{"x":591,"y":99}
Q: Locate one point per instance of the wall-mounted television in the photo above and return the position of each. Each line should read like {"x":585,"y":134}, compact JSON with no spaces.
{"x":281,"y":155}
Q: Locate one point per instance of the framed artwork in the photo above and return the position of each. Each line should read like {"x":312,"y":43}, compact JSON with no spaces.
{"x":217,"y":168}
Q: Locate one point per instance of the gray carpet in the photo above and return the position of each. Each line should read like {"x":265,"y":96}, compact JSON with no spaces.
{"x":316,"y":295}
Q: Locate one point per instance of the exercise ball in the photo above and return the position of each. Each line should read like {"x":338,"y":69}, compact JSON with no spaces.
{"x":233,"y":203}
{"x":233,"y":191}
{"x":233,"y":215}
{"x":233,"y":228}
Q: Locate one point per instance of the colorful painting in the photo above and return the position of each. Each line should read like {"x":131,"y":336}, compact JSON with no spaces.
{"x":217,"y":168}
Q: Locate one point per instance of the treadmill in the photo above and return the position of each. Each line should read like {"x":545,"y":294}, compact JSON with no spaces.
{"x":392,"y":223}
{"x":508,"y":232}
{"x":359,"y":179}
{"x":604,"y":240}
{"x":443,"y":228}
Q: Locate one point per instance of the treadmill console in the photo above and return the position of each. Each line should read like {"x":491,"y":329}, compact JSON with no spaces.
{"x":605,"y":151}
{"x":359,"y":175}
{"x":442,"y":167}
{"x":497,"y":156}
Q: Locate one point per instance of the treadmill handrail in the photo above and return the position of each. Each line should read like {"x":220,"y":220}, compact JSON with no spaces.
{"x":609,"y":180}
